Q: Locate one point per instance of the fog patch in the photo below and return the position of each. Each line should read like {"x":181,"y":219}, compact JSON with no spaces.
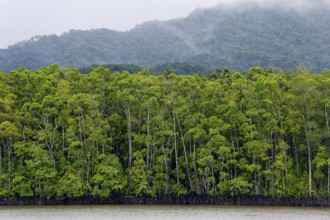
{"x":301,"y":6}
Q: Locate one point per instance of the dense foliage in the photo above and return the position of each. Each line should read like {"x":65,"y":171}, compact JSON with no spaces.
{"x":178,"y":68}
{"x":64,"y":134}
{"x":131,"y":68}
{"x":237,"y":38}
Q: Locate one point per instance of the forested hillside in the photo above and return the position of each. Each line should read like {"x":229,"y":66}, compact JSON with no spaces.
{"x":106,"y":134}
{"x":235,"y":37}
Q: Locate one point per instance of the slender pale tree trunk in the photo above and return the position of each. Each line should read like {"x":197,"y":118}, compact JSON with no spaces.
{"x":184,"y":151}
{"x":175,"y":151}
{"x":254,"y":161}
{"x":272,"y":168}
{"x":129,"y":134}
{"x":1,"y":153}
{"x":195,"y":169}
{"x":9,"y":164}
{"x":309,"y":151}
{"x":148,"y":133}
{"x":328,"y":129}
{"x":165,"y":159}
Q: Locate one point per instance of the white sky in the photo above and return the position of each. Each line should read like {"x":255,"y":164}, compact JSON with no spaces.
{"x":23,"y":19}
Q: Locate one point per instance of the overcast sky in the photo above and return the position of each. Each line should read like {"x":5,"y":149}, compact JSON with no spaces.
{"x":23,"y":19}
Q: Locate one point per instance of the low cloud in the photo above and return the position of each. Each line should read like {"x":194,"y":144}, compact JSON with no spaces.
{"x":299,"y":5}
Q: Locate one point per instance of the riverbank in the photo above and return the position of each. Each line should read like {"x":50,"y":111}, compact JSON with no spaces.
{"x":186,"y":200}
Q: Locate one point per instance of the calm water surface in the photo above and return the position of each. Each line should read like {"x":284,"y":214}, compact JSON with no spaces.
{"x":158,"y":212}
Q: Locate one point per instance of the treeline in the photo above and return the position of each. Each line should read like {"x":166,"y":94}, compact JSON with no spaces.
{"x":177,"y":68}
{"x":67,"y":135}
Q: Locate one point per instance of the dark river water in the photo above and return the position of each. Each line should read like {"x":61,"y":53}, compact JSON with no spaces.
{"x":157,"y":212}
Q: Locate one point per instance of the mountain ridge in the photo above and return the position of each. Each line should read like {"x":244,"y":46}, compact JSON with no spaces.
{"x":220,"y":36}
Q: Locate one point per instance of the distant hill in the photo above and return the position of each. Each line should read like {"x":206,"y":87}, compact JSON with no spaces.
{"x":237,"y":38}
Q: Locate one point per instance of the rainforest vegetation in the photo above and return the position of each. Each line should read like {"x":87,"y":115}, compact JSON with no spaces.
{"x":106,"y":134}
{"x":177,"y":68}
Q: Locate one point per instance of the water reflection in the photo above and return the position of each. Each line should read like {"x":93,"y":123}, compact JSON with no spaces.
{"x":157,"y":212}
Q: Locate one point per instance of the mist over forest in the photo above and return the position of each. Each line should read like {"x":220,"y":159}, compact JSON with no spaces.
{"x":237,"y":35}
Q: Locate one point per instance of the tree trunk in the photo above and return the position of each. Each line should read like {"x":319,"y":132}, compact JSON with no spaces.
{"x":272,"y":167}
{"x":256,"y":175}
{"x":1,"y":152}
{"x":195,"y":169}
{"x":328,"y":129}
{"x":9,"y":165}
{"x":309,"y":151}
{"x":175,"y":152}
{"x":309,"y":170}
{"x":165,"y":158}
{"x":129,"y":134}
{"x":148,"y":133}
{"x":184,"y":151}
